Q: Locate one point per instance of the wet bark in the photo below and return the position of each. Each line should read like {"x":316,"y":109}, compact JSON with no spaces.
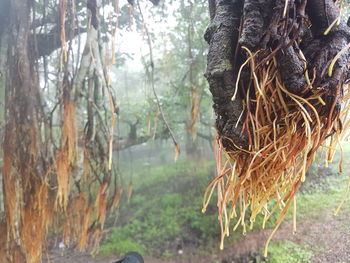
{"x":257,"y":26}
{"x":222,"y":36}
{"x":323,"y":48}
{"x":4,"y":17}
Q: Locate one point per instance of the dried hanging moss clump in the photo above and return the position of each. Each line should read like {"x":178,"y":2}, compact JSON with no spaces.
{"x":66,"y":154}
{"x":78,"y":220}
{"x":34,"y":224}
{"x":195,"y":100}
{"x":277,"y":101}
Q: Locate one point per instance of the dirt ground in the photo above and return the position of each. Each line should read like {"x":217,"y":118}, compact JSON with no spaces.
{"x":328,"y":236}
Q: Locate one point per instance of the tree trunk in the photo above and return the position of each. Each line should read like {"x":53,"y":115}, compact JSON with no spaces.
{"x":24,"y":173}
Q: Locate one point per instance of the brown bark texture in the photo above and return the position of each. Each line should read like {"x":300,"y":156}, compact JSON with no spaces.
{"x":25,"y":188}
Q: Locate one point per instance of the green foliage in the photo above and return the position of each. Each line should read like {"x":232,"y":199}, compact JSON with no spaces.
{"x":167,"y":202}
{"x":289,"y":252}
{"x":326,"y":196}
{"x":204,"y":225}
{"x":165,"y":206}
{"x":119,"y":241}
{"x":179,"y":57}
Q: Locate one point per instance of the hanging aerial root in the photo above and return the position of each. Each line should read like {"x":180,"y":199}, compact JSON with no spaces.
{"x":101,"y":203}
{"x":79,"y":217}
{"x":116,"y":199}
{"x":195,"y":100}
{"x":130,"y":191}
{"x":84,"y":229}
{"x":285,"y":130}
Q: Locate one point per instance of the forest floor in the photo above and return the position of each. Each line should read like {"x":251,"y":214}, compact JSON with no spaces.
{"x":157,"y":223}
{"x":327,"y":236}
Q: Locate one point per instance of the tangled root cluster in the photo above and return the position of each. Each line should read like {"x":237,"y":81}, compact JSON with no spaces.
{"x":284,"y":131}
{"x":285,"y":102}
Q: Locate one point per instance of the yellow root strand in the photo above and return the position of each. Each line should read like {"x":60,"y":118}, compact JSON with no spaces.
{"x":341,"y":52}
{"x":285,"y":131}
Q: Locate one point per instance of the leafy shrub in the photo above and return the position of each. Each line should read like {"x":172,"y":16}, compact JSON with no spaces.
{"x":119,"y":241}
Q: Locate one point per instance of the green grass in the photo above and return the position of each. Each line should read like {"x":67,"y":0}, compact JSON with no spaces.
{"x":166,"y":205}
{"x":308,"y":205}
{"x":289,"y":252}
{"x":167,"y":201}
{"x":310,"y":202}
{"x":119,"y":241}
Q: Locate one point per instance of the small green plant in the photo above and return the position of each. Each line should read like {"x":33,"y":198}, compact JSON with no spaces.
{"x":165,"y":206}
{"x":119,"y":242}
{"x":289,"y":252}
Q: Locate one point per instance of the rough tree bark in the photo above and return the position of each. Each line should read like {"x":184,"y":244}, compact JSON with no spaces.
{"x":24,"y":170}
{"x":257,"y":25}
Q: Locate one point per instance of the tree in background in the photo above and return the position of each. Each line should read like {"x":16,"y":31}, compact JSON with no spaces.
{"x":187,"y":40}
{"x":181,"y":67}
{"x":177,"y":54}
{"x":60,"y":113}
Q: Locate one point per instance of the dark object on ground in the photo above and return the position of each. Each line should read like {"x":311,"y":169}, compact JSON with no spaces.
{"x":131,"y":257}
